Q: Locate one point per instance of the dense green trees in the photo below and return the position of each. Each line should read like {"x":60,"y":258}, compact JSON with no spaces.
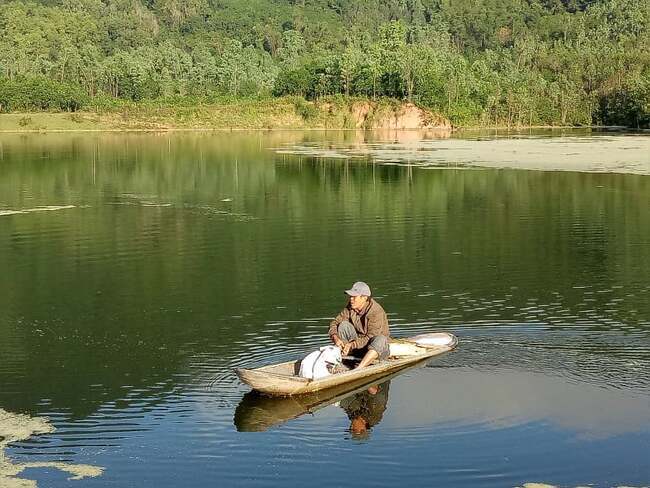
{"x":39,"y":93}
{"x":514,"y":62}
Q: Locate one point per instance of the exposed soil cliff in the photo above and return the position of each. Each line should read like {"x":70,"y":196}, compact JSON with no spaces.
{"x":373,"y":115}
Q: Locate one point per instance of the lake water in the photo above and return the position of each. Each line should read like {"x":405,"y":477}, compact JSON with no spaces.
{"x":137,"y":270}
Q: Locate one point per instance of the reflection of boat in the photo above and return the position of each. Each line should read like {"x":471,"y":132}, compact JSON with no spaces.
{"x":282,"y":379}
{"x":258,"y":412}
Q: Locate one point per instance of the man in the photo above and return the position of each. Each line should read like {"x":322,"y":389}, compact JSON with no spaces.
{"x":362,"y":326}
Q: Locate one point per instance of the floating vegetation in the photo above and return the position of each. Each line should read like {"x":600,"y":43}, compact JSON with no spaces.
{"x":46,"y":208}
{"x":544,"y":485}
{"x":18,"y":427}
{"x":210,"y":210}
{"x":137,"y":200}
{"x":602,"y":155}
{"x":207,"y":210}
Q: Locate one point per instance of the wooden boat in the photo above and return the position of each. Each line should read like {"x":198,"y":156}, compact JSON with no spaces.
{"x":283,"y":380}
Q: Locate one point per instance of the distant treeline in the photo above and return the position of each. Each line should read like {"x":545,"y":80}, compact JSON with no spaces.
{"x":514,"y":62}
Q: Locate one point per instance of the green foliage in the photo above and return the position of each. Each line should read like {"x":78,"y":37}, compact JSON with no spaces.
{"x":244,"y":70}
{"x":293,"y":81}
{"x":628,"y":105}
{"x":39,"y":93}
{"x":505,"y":62}
{"x":305,"y":109}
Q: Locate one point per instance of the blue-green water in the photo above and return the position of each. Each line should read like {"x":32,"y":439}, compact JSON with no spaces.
{"x":136,"y":271}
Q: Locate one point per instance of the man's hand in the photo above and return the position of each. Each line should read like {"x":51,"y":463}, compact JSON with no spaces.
{"x":346,"y":349}
{"x":338,"y":342}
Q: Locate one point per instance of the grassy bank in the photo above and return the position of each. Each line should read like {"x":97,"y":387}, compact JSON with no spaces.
{"x":242,"y":114}
{"x":226,"y":114}
{"x":230,"y":114}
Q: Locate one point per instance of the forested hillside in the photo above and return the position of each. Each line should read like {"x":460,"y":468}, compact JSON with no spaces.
{"x":479,"y":62}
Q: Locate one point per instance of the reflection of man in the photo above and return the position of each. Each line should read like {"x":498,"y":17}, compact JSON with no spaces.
{"x":366,"y":409}
{"x":361,"y":327}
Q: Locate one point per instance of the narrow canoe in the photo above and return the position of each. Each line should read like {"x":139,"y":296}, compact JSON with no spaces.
{"x":282,"y":379}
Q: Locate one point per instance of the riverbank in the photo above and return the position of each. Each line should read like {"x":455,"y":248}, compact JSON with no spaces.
{"x":228,"y":114}
{"x":248,"y":114}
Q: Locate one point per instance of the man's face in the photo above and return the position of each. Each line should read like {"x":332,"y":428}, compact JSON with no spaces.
{"x":358,"y":302}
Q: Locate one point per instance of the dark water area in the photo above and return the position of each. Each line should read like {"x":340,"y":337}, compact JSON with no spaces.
{"x":137,"y":270}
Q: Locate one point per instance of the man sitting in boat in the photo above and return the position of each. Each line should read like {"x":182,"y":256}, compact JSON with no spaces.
{"x":361,"y":328}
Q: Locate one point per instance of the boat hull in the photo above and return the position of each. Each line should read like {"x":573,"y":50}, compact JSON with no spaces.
{"x":283,"y":380}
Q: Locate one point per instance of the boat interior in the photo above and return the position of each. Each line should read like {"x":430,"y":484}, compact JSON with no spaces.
{"x":398,"y":350}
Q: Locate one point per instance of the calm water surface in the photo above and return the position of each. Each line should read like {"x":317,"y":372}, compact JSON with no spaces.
{"x":136,"y":271}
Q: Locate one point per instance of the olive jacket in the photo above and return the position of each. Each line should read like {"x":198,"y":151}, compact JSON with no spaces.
{"x":370,"y":322}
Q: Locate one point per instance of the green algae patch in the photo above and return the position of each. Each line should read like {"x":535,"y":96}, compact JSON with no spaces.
{"x":45,"y":208}
{"x":544,"y":485}
{"x":18,"y":427}
{"x":589,"y":154}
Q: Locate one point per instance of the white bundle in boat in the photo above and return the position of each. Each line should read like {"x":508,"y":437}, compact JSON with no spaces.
{"x":321,"y":363}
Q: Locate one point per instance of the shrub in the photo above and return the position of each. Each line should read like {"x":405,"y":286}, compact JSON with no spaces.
{"x":38,"y":93}
{"x":628,"y":106}
{"x":305,"y":109}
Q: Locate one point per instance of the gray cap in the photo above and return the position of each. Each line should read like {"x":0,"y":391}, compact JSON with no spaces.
{"x":359,"y":288}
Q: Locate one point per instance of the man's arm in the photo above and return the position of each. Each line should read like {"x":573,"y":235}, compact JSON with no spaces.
{"x":334,"y":324}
